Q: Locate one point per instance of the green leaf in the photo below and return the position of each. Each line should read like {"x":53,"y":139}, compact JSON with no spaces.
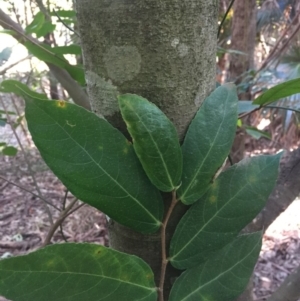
{"x":283,"y":90}
{"x":6,"y":112}
{"x":76,"y":272}
{"x":8,"y":31}
{"x":14,"y":86}
{"x":36,"y":24}
{"x":95,"y":162}
{"x":233,"y":201}
{"x":46,"y":28}
{"x":245,"y":106}
{"x":224,"y":276}
{"x":64,"y":13}
{"x":44,"y":53}
{"x":70,"y":49}
{"x":256,"y":133}
{"x":9,"y":151}
{"x":208,"y":142}
{"x":3,"y":122}
{"x":155,"y":140}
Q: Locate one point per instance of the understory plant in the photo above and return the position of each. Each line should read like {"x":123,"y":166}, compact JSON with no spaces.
{"x":125,"y":180}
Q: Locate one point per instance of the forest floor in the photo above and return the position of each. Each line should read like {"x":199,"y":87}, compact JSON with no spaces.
{"x":24,"y":223}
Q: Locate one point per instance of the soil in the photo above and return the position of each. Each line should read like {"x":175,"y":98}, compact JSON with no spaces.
{"x":24,"y":222}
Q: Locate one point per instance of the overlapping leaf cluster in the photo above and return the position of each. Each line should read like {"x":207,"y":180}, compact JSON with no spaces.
{"x":124,"y":179}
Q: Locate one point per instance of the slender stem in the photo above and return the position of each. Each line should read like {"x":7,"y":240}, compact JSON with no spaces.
{"x":248,"y":113}
{"x":282,"y":108}
{"x":58,"y":222}
{"x":225,"y":16}
{"x":165,"y":260}
{"x":63,"y":208}
{"x":28,"y":163}
{"x":75,"y":209}
{"x":27,"y":190}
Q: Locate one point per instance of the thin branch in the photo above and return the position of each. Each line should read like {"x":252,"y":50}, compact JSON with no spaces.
{"x":63,"y":208}
{"x":248,"y":113}
{"x":74,"y":89}
{"x":165,"y":260}
{"x":279,"y":50}
{"x":283,"y":108}
{"x":58,"y":222}
{"x":3,"y":71}
{"x":65,"y":24}
{"x":28,"y":162}
{"x":75,"y":209}
{"x":27,"y":190}
{"x":225,"y":16}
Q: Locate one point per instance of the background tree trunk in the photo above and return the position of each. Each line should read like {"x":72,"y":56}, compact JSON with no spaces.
{"x":242,"y":39}
{"x":164,"y":51}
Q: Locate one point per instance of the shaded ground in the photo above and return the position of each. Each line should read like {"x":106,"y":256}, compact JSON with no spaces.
{"x":24,"y":223}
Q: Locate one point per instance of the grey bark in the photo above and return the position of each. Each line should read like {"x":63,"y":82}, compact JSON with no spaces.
{"x":161,"y":50}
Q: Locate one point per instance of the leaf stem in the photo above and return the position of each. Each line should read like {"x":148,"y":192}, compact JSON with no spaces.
{"x":165,"y":260}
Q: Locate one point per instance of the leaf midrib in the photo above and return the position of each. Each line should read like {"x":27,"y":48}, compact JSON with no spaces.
{"x":222,"y":273}
{"x":103,"y":170}
{"x":81,"y":274}
{"x":213,"y":217}
{"x":205,"y":158}
{"x":157,"y":148}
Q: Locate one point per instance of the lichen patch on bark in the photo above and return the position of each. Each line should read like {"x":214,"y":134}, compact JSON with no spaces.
{"x":105,"y":92}
{"x":122,"y":63}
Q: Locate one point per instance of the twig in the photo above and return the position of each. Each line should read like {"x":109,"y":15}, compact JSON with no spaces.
{"x":63,"y":208}
{"x":27,"y":161}
{"x":225,"y":16}
{"x":58,"y":222}
{"x":165,"y":260}
{"x":248,"y":113}
{"x":65,"y":24}
{"x":20,"y":123}
{"x":3,"y":71}
{"x":75,"y":209}
{"x":27,"y":190}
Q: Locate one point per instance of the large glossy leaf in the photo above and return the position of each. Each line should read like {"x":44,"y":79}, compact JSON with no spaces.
{"x":224,"y":276}
{"x":155,"y":140}
{"x":277,"y":92}
{"x":234,"y":199}
{"x":208,"y":142}
{"x":95,"y":162}
{"x":76,"y":272}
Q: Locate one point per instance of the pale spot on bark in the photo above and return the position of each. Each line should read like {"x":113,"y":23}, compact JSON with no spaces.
{"x":122,"y":63}
{"x":105,"y":92}
{"x":175,"y":42}
{"x":183,"y":50}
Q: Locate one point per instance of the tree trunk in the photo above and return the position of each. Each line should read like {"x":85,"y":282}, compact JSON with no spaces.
{"x":242,"y":39}
{"x":162,"y":50}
